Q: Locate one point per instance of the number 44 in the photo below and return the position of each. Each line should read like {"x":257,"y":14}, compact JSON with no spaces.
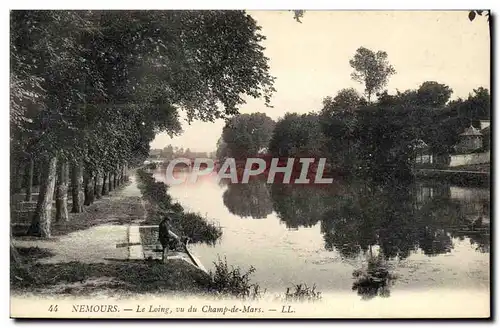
{"x":53,"y":308}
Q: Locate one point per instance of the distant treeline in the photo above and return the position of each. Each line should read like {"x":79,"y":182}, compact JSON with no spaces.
{"x":171,"y":152}
{"x":375,"y":135}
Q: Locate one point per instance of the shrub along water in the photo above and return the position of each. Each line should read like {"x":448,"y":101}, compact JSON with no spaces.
{"x":192,"y":225}
{"x":232,"y":281}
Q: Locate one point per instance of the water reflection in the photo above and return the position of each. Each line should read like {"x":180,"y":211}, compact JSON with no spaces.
{"x":374,"y":280}
{"x":349,"y":235}
{"x":249,"y":199}
{"x":355,"y":217}
{"x":301,"y":206}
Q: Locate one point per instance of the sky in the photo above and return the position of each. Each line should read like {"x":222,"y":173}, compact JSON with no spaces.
{"x":310,"y":60}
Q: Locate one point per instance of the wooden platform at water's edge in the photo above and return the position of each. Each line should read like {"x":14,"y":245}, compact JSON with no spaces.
{"x":138,"y":250}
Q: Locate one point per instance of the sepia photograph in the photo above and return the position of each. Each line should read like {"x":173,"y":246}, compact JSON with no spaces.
{"x":250,"y":164}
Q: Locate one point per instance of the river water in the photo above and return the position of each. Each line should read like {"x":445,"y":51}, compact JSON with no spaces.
{"x":427,"y":236}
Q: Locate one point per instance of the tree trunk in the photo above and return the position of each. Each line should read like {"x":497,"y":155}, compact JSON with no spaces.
{"x":17,"y":266}
{"x":110,"y":181}
{"x":89,"y":188}
{"x":115,"y":180}
{"x":125,"y":172}
{"x":76,"y":188}
{"x":29,"y":179}
{"x":98,"y":185}
{"x":36,"y":173}
{"x":62,"y":192}
{"x":119,"y":175}
{"x":40,"y":224}
{"x":17,"y":178}
{"x":105,"y":190}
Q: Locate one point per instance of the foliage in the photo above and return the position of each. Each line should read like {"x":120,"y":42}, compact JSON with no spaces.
{"x":297,"y":135}
{"x":346,"y":100}
{"x":376,"y":140}
{"x":94,"y":87}
{"x":110,"y":80}
{"x":245,"y":134}
{"x":232,"y":281}
{"x":433,"y":94}
{"x":222,"y":151}
{"x":371,"y":69}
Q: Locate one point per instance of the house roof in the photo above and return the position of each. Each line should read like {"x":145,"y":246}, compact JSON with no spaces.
{"x":471,"y":131}
{"x":419,"y":144}
{"x":486,"y":130}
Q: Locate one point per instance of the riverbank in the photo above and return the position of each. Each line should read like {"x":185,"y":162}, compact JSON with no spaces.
{"x":464,"y":176}
{"x":82,"y":258}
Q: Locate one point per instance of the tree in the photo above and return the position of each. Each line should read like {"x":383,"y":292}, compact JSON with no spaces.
{"x":111,"y":80}
{"x":433,"y":94}
{"x":338,"y":119}
{"x":479,"y":104}
{"x":168,"y":152}
{"x":245,"y":134}
{"x":297,"y":135}
{"x":371,"y":69}
{"x":222,"y":151}
{"x":346,"y":100}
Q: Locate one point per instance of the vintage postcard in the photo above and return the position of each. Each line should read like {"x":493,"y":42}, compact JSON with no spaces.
{"x":250,"y":164}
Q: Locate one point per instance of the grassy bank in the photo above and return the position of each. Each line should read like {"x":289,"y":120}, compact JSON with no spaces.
{"x":77,"y":278}
{"x":160,"y":204}
{"x":137,"y":277}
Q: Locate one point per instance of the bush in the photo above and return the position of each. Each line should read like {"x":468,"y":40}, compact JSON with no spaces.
{"x":233,"y":282}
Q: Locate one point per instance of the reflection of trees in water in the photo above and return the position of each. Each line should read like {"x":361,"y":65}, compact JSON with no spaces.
{"x":299,"y":205}
{"x":375,"y":279}
{"x":452,"y":218}
{"x":347,"y":227}
{"x":399,"y":219}
{"x":250,"y":199}
{"x":389,"y":217}
{"x":478,"y":233}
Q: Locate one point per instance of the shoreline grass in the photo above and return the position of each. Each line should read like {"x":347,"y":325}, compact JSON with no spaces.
{"x":123,"y":278}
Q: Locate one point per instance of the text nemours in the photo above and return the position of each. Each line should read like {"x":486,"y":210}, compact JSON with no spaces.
{"x":165,"y":310}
